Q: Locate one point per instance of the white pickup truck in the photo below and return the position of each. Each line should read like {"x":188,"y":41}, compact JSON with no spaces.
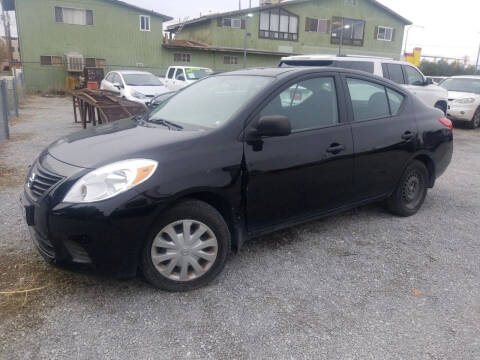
{"x":180,"y":76}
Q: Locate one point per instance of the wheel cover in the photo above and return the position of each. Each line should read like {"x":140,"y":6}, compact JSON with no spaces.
{"x":476,"y":119}
{"x":412,"y":190}
{"x":184,"y":250}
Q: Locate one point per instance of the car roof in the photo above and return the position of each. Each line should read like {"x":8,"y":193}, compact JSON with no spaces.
{"x":314,"y":57}
{"x":129,"y":72}
{"x":477,"y":77}
{"x":300,"y":70}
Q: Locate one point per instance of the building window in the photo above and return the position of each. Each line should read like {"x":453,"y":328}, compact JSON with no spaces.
{"x":144,"y":23}
{"x":353,"y":31}
{"x":180,"y":57}
{"x":230,"y":60}
{"x":278,"y":24}
{"x":94,"y":62}
{"x":384,"y":33}
{"x":73,"y":16}
{"x":233,"y":23}
{"x":51,"y":60}
{"x":317,"y":25}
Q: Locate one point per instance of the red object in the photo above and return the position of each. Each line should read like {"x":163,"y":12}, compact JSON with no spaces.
{"x":447,"y":122}
{"x":92,"y":85}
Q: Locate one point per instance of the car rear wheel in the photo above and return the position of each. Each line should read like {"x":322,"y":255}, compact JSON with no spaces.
{"x":476,"y":120}
{"x":411,"y":191}
{"x":187,"y":248}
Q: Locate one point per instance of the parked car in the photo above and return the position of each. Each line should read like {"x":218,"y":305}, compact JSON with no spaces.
{"x":403,"y":73}
{"x":180,"y":76}
{"x":139,"y":86}
{"x":463,"y":99}
{"x":173,"y":193}
{"x":160,"y":99}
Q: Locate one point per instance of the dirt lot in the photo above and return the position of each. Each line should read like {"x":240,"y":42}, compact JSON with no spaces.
{"x":361,"y":285}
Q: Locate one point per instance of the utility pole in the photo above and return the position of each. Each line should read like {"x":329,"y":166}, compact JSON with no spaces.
{"x":341,"y":38}
{"x":478,"y":58}
{"x":245,"y":40}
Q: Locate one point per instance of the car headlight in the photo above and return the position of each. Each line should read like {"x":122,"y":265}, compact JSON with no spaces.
{"x":465,"y":101}
{"x":111,"y":180}
{"x":137,"y":95}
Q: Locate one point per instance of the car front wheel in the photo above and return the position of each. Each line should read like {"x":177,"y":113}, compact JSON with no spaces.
{"x":188,"y":247}
{"x":411,"y":191}
{"x":476,"y":120}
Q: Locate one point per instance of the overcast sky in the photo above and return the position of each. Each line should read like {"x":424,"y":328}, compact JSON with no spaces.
{"x":451,"y":28}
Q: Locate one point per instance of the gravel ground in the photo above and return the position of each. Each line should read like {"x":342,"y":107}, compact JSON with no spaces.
{"x":361,"y":285}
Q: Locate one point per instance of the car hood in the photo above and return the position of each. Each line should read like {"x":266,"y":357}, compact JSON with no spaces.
{"x":120,"y":140}
{"x":454,"y":95}
{"x":150,"y":90}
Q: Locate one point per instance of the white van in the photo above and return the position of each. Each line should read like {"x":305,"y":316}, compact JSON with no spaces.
{"x":403,"y":73}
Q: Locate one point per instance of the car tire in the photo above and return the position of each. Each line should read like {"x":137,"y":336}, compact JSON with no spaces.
{"x":411,"y":191}
{"x":179,"y":265}
{"x":475,"y":120}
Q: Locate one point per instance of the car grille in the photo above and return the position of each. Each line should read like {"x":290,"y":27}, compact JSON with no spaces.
{"x":40,"y":181}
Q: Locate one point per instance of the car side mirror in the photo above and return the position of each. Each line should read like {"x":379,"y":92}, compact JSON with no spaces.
{"x":118,"y":85}
{"x":181,"y":78}
{"x":429,"y":81}
{"x":273,"y":125}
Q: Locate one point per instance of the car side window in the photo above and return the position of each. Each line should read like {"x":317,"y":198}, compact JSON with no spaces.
{"x":109,"y":77}
{"x":395,"y":100}
{"x":180,"y":75}
{"x":170,"y":73}
{"x":413,"y":76}
{"x":308,"y":104}
{"x":369,"y":100}
{"x":395,"y":73}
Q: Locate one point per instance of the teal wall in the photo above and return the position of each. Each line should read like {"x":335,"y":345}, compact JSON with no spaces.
{"x":309,"y":42}
{"x":115,"y":36}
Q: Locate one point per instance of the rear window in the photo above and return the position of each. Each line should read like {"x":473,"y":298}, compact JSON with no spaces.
{"x":366,"y":66}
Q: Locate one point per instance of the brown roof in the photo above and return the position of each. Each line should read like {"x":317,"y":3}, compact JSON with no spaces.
{"x":174,"y":27}
{"x":195,"y":45}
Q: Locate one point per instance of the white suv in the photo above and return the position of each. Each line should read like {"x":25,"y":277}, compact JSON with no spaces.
{"x":401,"y":72}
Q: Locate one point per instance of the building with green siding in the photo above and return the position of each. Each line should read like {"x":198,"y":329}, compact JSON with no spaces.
{"x":289,"y":27}
{"x":106,"y":33}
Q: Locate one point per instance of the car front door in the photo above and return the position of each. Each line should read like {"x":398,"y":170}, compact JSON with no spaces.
{"x":309,"y":171}
{"x":384,"y":134}
{"x":179,"y":81}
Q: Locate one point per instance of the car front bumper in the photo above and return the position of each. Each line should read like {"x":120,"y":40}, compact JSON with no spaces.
{"x":460,"y":112}
{"x":107,"y":235}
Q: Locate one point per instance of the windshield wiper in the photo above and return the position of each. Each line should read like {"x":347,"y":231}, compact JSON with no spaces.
{"x":166,"y":123}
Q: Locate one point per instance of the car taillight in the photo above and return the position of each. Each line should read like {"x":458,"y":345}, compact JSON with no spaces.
{"x":446,"y":122}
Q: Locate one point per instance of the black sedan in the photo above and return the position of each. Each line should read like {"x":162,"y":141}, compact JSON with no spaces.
{"x":229,"y":158}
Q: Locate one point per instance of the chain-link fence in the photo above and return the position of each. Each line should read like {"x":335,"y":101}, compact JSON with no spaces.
{"x":12,"y":94}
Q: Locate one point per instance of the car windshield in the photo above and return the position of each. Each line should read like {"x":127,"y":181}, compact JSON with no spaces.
{"x":212,"y":102}
{"x":462,"y":85}
{"x":141,"y":80}
{"x":196,"y":73}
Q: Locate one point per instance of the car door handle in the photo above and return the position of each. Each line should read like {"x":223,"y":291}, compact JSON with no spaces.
{"x":335,"y":148}
{"x":408,"y":135}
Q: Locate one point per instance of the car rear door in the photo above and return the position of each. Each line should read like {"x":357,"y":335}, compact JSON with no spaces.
{"x":384,"y":135}
{"x":169,"y":78}
{"x":311,"y":170}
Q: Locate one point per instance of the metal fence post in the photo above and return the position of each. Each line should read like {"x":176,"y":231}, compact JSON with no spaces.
{"x":4,"y":113}
{"x":15,"y":95}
